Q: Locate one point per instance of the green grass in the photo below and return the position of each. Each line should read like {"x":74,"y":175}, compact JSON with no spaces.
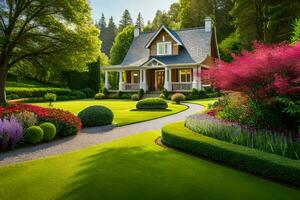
{"x":133,"y":168}
{"x":124,"y":110}
{"x":203,"y":102}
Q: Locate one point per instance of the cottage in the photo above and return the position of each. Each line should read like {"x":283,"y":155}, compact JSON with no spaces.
{"x":167,"y":59}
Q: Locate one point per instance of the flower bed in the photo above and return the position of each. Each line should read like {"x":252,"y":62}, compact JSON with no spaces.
{"x":284,"y":144}
{"x":28,"y":115}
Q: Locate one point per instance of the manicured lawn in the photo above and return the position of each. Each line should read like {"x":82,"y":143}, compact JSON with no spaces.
{"x":133,"y":168}
{"x":123,"y":109}
{"x":203,"y":102}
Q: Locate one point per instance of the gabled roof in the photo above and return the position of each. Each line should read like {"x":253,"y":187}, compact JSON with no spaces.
{"x":168,"y":31}
{"x":196,"y":46}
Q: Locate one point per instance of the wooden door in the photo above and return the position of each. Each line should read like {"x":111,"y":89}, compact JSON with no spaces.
{"x":160,"y":79}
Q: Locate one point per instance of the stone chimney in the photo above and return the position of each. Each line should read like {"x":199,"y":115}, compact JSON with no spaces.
{"x":137,"y":31}
{"x":208,"y":24}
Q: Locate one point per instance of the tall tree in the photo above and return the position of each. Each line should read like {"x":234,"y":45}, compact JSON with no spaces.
{"x":140,"y":21}
{"x":161,"y":18}
{"x":111,"y":34}
{"x":102,"y":25}
{"x":121,"y":45}
{"x":125,"y":21}
{"x":56,"y":32}
{"x":174,"y":12}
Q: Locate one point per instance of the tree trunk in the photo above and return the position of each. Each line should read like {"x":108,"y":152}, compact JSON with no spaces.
{"x":3,"y":75}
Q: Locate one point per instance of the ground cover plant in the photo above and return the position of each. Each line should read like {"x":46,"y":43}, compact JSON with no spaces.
{"x":124,"y":110}
{"x":99,"y":172}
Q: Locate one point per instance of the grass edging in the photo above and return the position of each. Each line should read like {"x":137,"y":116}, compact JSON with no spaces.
{"x":250,"y":160}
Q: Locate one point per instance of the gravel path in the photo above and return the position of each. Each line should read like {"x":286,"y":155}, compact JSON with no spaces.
{"x":92,"y":136}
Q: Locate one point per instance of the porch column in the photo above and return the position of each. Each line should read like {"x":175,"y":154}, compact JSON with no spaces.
{"x":195,"y":78}
{"x":170,"y":79}
{"x":199,"y":78}
{"x":166,"y":85}
{"x":145,"y":80}
{"x":141,"y":79}
{"x":120,"y":80}
{"x":106,"y":85}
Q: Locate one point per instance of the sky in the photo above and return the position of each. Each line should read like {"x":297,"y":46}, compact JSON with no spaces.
{"x":115,"y":8}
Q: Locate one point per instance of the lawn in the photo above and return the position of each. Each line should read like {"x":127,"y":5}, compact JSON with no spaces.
{"x":123,"y":109}
{"x":203,"y":102}
{"x":133,"y":168}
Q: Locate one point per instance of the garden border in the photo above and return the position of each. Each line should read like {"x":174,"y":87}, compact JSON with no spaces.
{"x":269,"y":165}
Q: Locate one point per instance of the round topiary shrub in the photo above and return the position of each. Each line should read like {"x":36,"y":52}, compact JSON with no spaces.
{"x":135,"y":97}
{"x":178,"y":97}
{"x":49,"y":131}
{"x":152,"y":103}
{"x":99,"y":96}
{"x":96,"y":116}
{"x":34,"y":134}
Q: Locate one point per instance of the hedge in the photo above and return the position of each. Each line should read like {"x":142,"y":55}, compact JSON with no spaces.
{"x":152,"y":103}
{"x":36,"y":92}
{"x":250,"y":160}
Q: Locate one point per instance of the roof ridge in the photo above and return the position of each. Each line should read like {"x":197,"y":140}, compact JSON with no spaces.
{"x":176,"y":30}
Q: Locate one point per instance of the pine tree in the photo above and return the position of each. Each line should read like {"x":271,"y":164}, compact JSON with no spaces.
{"x":125,"y":21}
{"x":140,"y":21}
{"x":111,"y":34}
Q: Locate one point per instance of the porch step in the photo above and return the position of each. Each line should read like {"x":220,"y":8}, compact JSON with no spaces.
{"x":151,"y":95}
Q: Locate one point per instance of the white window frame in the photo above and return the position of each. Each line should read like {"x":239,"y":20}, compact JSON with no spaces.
{"x":166,"y":50}
{"x":186,"y":75}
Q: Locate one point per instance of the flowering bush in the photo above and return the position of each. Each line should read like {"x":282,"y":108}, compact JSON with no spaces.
{"x":11,"y":132}
{"x":65,"y":122}
{"x":26,"y":118}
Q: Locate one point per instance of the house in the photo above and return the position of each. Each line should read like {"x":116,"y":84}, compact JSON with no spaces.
{"x":167,"y":59}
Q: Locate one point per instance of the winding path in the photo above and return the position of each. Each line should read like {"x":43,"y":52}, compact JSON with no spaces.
{"x":92,"y":136}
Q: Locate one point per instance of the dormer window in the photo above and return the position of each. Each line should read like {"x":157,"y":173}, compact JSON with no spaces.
{"x":164,"y":48}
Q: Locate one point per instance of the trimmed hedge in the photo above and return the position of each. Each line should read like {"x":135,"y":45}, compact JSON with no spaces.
{"x":152,"y":103}
{"x":36,"y":92}
{"x":96,"y":116}
{"x":250,"y":160}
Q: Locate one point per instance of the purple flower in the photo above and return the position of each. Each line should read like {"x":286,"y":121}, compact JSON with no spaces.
{"x":11,"y":132}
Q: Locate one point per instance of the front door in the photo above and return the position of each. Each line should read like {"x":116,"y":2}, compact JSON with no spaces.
{"x":160,"y":80}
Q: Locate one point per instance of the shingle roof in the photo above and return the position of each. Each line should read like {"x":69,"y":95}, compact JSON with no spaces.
{"x":196,"y":47}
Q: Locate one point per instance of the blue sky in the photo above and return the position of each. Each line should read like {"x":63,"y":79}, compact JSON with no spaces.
{"x":115,"y":8}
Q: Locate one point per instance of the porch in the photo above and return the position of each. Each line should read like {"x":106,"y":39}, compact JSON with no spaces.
{"x":176,"y":79}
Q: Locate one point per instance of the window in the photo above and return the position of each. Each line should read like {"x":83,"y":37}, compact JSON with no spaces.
{"x":135,"y":78}
{"x":185,"y":75}
{"x":164,"y":48}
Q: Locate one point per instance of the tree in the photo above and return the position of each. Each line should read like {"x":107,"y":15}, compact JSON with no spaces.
{"x":140,"y":21}
{"x":161,"y":18}
{"x":111,"y":34}
{"x":59,"y":33}
{"x":125,"y":21}
{"x":121,"y":45}
{"x":174,"y":12}
{"x":296,"y":32}
{"x":104,"y":34}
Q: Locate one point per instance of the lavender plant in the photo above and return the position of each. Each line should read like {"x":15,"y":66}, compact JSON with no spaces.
{"x":11,"y":132}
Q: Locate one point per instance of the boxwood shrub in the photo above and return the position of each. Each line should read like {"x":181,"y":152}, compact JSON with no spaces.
{"x":152,"y":103}
{"x":96,"y":116}
{"x":34,"y":134}
{"x":36,"y":92}
{"x":49,"y":131}
{"x":250,"y":160}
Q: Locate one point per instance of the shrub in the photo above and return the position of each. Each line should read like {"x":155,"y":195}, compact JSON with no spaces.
{"x":99,"y":96}
{"x":35,"y":92}
{"x":105,"y":92}
{"x":249,"y":160}
{"x":65,"y":122}
{"x":263,"y":140}
{"x":152,"y":103}
{"x":202,"y":94}
{"x":96,"y":116}
{"x":89,"y":93}
{"x":125,"y":95}
{"x":165,"y":92}
{"x":50,"y":97}
{"x":27,"y":119}
{"x":77,"y":94}
{"x":162,"y":96}
{"x":135,"y":97}
{"x":178,"y":97}
{"x":141,"y":93}
{"x":34,"y":134}
{"x":49,"y":131}
{"x":11,"y":132}
{"x":13,"y":96}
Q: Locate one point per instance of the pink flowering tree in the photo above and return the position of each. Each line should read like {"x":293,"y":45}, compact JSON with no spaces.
{"x":269,"y":75}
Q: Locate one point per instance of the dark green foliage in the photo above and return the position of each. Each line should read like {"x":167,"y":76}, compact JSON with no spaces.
{"x":90,"y":93}
{"x":99,"y":96}
{"x":152,"y":103}
{"x":135,"y":97}
{"x":34,"y":134}
{"x":76,"y":80}
{"x":140,"y":21}
{"x":250,"y":160}
{"x":13,"y":96}
{"x":231,"y":45}
{"x":125,"y":21}
{"x":141,"y":93}
{"x":77,"y":94}
{"x":178,"y":97}
{"x":105,"y":91}
{"x":296,"y":32}
{"x":96,"y":116}
{"x":36,"y":92}
{"x":49,"y":131}
{"x":121,"y":45}
{"x":94,"y":76}
{"x":165,"y":92}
